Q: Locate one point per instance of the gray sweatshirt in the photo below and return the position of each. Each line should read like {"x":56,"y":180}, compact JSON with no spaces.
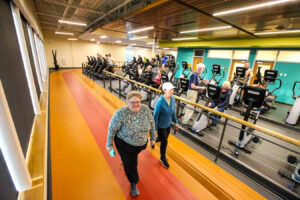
{"x":131,"y":127}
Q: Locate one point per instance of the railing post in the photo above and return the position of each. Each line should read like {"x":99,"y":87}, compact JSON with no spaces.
{"x":103,"y":80}
{"x":178,"y":105}
{"x":119,"y":88}
{"x":110,"y":80}
{"x":221,"y":140}
{"x":150,"y":98}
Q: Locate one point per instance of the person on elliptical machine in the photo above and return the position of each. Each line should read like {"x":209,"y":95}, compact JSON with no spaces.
{"x":248,"y":74}
{"x":221,"y":103}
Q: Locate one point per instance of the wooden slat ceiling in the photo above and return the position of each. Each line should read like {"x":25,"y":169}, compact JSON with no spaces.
{"x":171,"y":17}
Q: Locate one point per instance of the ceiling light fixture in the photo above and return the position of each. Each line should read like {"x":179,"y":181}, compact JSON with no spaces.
{"x":63,"y":33}
{"x":133,"y":44}
{"x":138,"y":38}
{"x":206,"y":29}
{"x":93,"y":39}
{"x":72,"y":39}
{"x":71,"y":22}
{"x":103,"y":36}
{"x":141,"y":30}
{"x":150,"y":42}
{"x":189,"y":38}
{"x":250,"y":7}
{"x":118,"y":41}
{"x":98,"y":42}
{"x":166,"y":48}
{"x":278,"y":32}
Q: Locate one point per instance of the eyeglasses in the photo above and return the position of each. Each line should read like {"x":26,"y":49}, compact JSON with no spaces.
{"x":135,"y":102}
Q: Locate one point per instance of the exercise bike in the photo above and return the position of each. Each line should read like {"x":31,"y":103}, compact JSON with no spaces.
{"x":239,"y":73}
{"x":254,"y":98}
{"x":294,"y":112}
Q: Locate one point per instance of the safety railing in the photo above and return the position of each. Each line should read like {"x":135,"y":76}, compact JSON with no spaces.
{"x":272,"y":151}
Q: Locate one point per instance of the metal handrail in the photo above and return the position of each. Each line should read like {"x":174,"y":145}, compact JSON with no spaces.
{"x":226,"y":116}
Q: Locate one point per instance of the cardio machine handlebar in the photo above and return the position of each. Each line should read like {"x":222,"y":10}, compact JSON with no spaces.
{"x":294,"y":95}
{"x":280,"y":83}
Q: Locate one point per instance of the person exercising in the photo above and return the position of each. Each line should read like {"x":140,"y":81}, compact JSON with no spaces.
{"x":248,"y":74}
{"x":192,"y":93}
{"x":221,"y":103}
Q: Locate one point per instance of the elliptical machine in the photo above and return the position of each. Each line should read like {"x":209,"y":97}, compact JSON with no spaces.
{"x":239,"y":73}
{"x":216,"y":72}
{"x":270,"y":77}
{"x":213,"y":92}
{"x":254,"y":98}
{"x":294,"y":112}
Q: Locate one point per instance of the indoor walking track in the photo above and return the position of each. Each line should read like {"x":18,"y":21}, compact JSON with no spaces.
{"x":80,"y":111}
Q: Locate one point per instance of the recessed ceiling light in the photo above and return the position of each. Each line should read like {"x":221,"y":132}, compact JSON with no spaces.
{"x":133,"y":44}
{"x":250,"y":7}
{"x":189,"y":38}
{"x":278,"y":32}
{"x":156,"y":46}
{"x":138,"y":38}
{"x":63,"y":33}
{"x":71,"y":22}
{"x":166,"y":48}
{"x":150,"y":42}
{"x":98,"y":42}
{"x":103,"y":36}
{"x":206,"y":29}
{"x":118,"y":41}
{"x":140,"y":30}
{"x":72,"y":39}
{"x":93,"y":39}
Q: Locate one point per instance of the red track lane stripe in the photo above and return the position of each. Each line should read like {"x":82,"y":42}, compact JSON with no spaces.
{"x":155,"y":181}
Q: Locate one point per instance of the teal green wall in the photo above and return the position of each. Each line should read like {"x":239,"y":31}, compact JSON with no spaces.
{"x":184,"y":54}
{"x":292,"y":71}
{"x":284,"y":94}
{"x":225,"y":63}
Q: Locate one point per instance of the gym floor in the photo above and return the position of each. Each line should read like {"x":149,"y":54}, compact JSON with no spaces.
{"x":81,"y":168}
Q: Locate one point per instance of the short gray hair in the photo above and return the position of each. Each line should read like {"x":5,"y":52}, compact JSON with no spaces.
{"x":227,"y":83}
{"x":200,"y":66}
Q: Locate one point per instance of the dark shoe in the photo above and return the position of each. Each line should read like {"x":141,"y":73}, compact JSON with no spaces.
{"x":165,"y":163}
{"x":199,"y":134}
{"x":157,"y":139}
{"x":134,"y":191}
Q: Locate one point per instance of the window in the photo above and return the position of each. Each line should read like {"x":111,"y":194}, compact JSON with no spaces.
{"x":289,"y":56}
{"x":267,"y":55}
{"x":241,"y":54}
{"x":220,"y":54}
{"x":198,"y":53}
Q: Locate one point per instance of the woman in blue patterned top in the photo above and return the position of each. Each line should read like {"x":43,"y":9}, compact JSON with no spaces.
{"x":164,"y":114}
{"x":129,"y":128}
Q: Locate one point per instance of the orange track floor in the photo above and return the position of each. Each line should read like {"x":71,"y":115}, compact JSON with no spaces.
{"x":80,"y":111}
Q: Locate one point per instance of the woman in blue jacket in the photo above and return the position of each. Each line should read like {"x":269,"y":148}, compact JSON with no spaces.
{"x":164,"y":114}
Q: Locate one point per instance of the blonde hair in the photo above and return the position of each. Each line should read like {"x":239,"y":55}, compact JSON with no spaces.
{"x":133,"y":93}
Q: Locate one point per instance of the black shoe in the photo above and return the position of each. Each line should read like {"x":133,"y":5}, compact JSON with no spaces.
{"x":199,"y":134}
{"x":165,"y":163}
{"x":157,"y":139}
{"x":134,"y":191}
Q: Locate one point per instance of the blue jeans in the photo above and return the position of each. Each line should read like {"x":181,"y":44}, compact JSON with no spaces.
{"x":216,"y":117}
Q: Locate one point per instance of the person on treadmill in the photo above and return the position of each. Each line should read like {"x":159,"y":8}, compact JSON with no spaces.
{"x":248,"y":74}
{"x":221,"y":103}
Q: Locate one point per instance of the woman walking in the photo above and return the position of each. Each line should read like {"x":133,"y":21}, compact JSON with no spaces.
{"x":164,"y":114}
{"x":129,"y":129}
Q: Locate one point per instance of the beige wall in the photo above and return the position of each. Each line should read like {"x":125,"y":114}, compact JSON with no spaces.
{"x":73,"y":53}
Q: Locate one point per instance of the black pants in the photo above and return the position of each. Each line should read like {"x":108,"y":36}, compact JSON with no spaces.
{"x":163,"y":134}
{"x":129,"y":157}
